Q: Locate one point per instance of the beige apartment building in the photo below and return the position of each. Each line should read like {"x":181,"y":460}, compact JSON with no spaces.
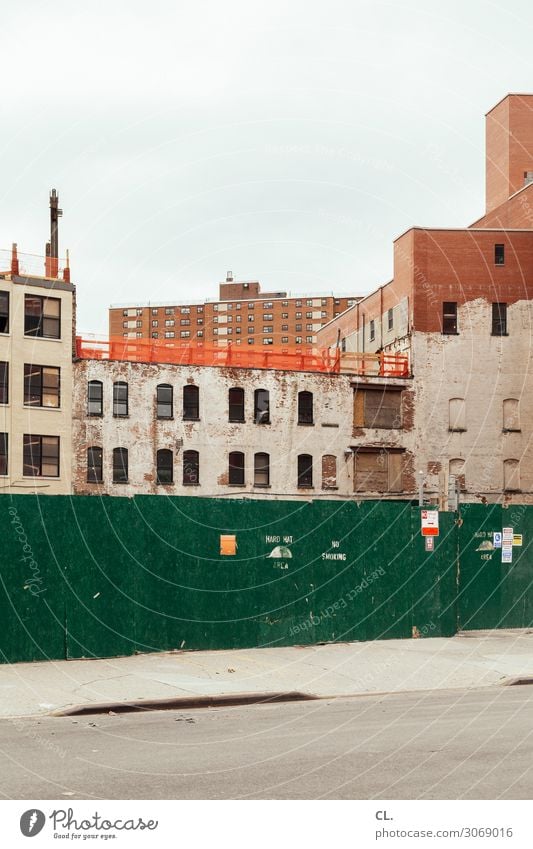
{"x":36,"y":345}
{"x":243,"y":315}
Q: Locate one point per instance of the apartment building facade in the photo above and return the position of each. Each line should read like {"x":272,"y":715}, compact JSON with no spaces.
{"x":243,"y":315}
{"x":36,"y":335}
{"x":461,"y":304}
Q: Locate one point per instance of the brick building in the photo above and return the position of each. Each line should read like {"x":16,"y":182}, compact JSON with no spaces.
{"x":461,"y":305}
{"x":243,"y":315}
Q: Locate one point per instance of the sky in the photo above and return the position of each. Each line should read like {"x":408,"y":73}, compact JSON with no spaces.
{"x":289,"y":142}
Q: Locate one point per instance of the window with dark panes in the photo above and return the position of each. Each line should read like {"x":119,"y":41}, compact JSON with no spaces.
{"x":165,"y":466}
{"x":95,"y":398}
{"x":191,"y":402}
{"x":305,"y":470}
{"x":4,"y":383}
{"x":42,"y":317}
{"x":378,"y":408}
{"x":165,"y":401}
{"x":499,"y":254}
{"x":3,"y":453}
{"x":191,"y":468}
{"x":236,"y":468}
{"x":95,"y":465}
{"x":261,"y":406}
{"x":41,"y":386}
{"x":449,"y":317}
{"x":499,"y":319}
{"x":261,"y":469}
{"x":305,"y":408}
{"x":120,"y":399}
{"x":40,"y":456}
{"x":236,"y":404}
{"x":378,"y":471}
{"x":390,"y":319}
{"x":4,"y":312}
{"x":120,"y":465}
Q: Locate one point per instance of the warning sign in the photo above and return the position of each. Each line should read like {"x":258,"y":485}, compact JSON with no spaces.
{"x":517,"y":539}
{"x":430,"y":523}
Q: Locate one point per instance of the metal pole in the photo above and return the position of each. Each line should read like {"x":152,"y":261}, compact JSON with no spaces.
{"x":421,"y":488}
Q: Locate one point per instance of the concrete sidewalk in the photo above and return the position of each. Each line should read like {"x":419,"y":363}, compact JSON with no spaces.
{"x":342,"y":669}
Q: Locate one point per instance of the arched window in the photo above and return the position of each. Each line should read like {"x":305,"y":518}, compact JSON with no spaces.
{"x":164,"y":393}
{"x":236,"y":468}
{"x":511,"y":414}
{"x":94,"y":465}
{"x":262,"y":406}
{"x":457,"y":414}
{"x":191,"y":402}
{"x":120,"y":399}
{"x":457,"y":468}
{"x":120,"y":465}
{"x":305,"y":408}
{"x":165,"y":466}
{"x":261,"y":469}
{"x":191,"y":468}
{"x":329,"y":471}
{"x":95,"y":398}
{"x":511,"y":475}
{"x":236,"y":404}
{"x":305,"y":470}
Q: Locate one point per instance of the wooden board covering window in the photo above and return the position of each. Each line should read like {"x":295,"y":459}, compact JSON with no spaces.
{"x":378,"y":471}
{"x":377,"y":408}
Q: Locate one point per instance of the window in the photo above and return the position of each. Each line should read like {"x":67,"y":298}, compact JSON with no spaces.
{"x":94,"y":465}
{"x":309,"y":315}
{"x":449,"y":317}
{"x":154,"y":312}
{"x":4,"y":383}
{"x":261,"y":406}
{"x":309,"y":326}
{"x":138,"y":312}
{"x":199,"y":322}
{"x":305,"y":408}
{"x":268,"y":329}
{"x":138,"y":324}
{"x":284,"y":340}
{"x":165,"y":466}
{"x":95,"y":401}
{"x":323,"y":314}
{"x":191,"y":402}
{"x":238,"y":318}
{"x":284,"y":303}
{"x":309,"y":302}
{"x":284,"y":314}
{"x":236,"y":404}
{"x":169,"y":311}
{"x":309,"y":339}
{"x":191,"y":468}
{"x":324,"y":302}
{"x":511,"y":476}
{"x":184,"y":322}
{"x":298,"y":303}
{"x":499,"y":254}
{"x":268,"y":305}
{"x":329,"y":471}
{"x":41,"y":386}
{"x":378,"y":471}
{"x":4,"y":312}
{"x":120,"y":399}
{"x":3,"y":454}
{"x":251,"y":341}
{"x":169,"y":334}
{"x":185,"y":334}
{"x":251,"y":306}
{"x":199,"y":309}
{"x":42,"y":317}
{"x":236,"y":468}
{"x":155,"y":335}
{"x":238,"y":330}
{"x":305,"y":470}
{"x":120,"y":465}
{"x":268,"y":317}
{"x":251,"y":330}
{"x":40,"y":456}
{"x":298,"y":340}
{"x":298,"y":328}
{"x":155,"y":323}
{"x":457,"y":408}
{"x":499,"y":319}
{"x":250,"y":318}
{"x":511,"y":414}
{"x":390,"y":319}
{"x":200,"y":334}
{"x":378,"y":408}
{"x":185,"y":310}
{"x":164,"y":396}
{"x":297,"y":315}
{"x":169,"y":322}
{"x":261,"y":469}
{"x":457,"y":469}
{"x":268,"y":340}
{"x":284,"y":327}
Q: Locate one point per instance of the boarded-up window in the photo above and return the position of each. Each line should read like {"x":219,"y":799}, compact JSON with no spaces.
{"x":457,"y":414}
{"x":329,"y":471}
{"x":457,"y":468}
{"x":511,"y":414}
{"x":378,"y":471}
{"x":377,"y":408}
{"x":511,"y":475}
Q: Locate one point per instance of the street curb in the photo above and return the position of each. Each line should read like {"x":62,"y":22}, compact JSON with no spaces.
{"x":516,"y":682}
{"x":184,"y":702}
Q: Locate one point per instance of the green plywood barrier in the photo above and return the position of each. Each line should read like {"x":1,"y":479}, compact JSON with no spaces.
{"x":96,"y":577}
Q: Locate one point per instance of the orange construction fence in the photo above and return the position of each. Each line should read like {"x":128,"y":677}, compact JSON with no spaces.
{"x":324,"y":360}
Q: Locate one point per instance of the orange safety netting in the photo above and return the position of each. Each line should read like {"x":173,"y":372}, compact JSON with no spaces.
{"x":325,"y":360}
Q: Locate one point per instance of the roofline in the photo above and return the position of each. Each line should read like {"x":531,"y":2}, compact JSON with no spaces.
{"x":467,"y":229}
{"x":206,"y":301}
{"x":510,"y":94}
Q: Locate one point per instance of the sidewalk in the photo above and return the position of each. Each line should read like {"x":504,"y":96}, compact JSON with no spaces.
{"x":342,"y":669}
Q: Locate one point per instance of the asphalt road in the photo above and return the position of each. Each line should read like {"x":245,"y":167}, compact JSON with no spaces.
{"x":448,"y":744}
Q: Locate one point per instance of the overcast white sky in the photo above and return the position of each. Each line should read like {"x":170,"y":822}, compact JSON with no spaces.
{"x":287,"y":141}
